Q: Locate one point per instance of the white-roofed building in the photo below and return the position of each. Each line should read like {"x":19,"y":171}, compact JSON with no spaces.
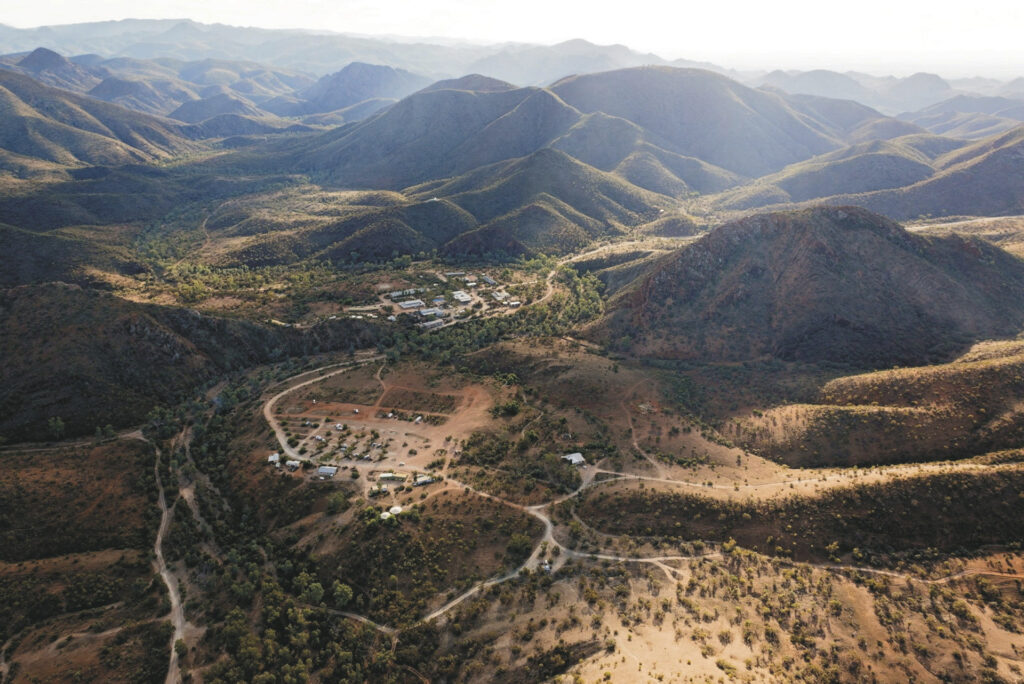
{"x":575,"y":458}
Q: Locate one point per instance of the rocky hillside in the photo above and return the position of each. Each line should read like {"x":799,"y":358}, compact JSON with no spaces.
{"x":91,"y":359}
{"x":822,"y":284}
{"x":45,"y":125}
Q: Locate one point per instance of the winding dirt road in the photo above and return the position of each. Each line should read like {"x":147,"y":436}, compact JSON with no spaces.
{"x":177,"y":615}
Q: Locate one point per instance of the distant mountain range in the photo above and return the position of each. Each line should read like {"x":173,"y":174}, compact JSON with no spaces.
{"x":473,"y":165}
{"x":319,"y":52}
{"x":254,"y":77}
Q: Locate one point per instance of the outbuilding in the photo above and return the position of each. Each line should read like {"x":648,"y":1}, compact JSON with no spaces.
{"x":575,"y":459}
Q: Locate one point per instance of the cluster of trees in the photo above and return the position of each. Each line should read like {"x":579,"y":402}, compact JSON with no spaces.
{"x":408,"y":560}
{"x":516,"y":469}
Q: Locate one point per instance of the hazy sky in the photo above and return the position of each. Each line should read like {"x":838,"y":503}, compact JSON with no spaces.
{"x":901,"y":35}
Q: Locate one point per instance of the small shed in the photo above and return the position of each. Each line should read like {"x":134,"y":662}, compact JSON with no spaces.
{"x":274,"y":458}
{"x":575,"y":458}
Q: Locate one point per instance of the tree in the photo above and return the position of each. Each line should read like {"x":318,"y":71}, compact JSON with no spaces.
{"x":313,"y":593}
{"x":336,"y":503}
{"x":341,"y":594}
{"x":55,"y":427}
{"x":519,"y":547}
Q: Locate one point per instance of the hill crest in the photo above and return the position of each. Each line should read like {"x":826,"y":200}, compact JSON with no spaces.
{"x":823,"y":284}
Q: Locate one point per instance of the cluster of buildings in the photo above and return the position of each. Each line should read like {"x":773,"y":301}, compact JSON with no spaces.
{"x":275,"y":460}
{"x":431,"y":314}
{"x":419,"y":481}
{"x":384,"y":479}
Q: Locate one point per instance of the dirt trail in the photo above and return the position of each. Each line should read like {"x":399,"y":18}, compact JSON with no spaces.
{"x":206,"y":236}
{"x":68,"y":444}
{"x":177,"y":611}
{"x":658,"y":467}
{"x":187,"y":493}
{"x":384,"y":629}
{"x":177,"y":614}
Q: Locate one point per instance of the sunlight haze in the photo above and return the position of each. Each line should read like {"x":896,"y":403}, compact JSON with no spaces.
{"x":874,"y":35}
